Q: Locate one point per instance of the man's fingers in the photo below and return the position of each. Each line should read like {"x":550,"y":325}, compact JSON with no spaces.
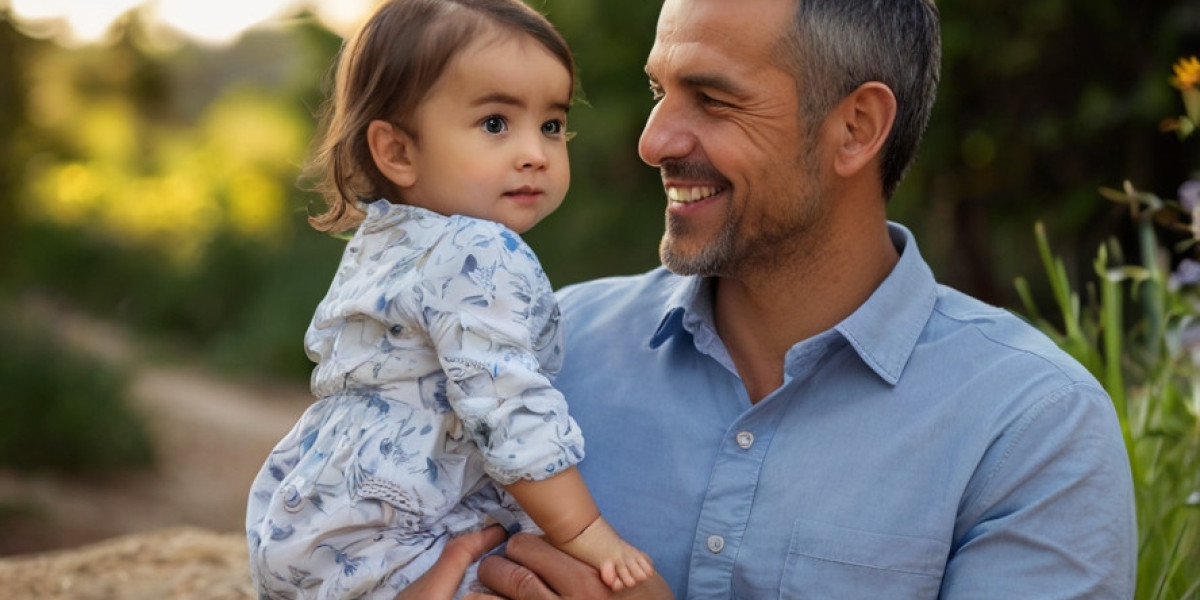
{"x":467,"y":548}
{"x":562,"y":572}
{"x":441,"y":581}
{"x":512,"y":580}
{"x":539,"y":571}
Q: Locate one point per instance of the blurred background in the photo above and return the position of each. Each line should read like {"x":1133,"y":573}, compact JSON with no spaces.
{"x":151,"y":224}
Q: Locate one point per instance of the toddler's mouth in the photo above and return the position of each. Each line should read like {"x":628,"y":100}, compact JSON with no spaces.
{"x":524,"y":191}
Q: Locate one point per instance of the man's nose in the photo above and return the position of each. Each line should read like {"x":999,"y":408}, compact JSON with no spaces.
{"x":667,"y":134}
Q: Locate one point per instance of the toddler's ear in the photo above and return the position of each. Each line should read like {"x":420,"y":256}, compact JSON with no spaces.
{"x":393,"y":151}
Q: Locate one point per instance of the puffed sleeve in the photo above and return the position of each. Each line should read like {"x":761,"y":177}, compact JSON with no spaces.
{"x":491,"y":316}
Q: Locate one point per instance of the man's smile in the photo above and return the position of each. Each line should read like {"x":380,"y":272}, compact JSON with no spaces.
{"x":688,"y":195}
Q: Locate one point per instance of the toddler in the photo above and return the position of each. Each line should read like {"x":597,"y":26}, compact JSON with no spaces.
{"x":445,"y":139}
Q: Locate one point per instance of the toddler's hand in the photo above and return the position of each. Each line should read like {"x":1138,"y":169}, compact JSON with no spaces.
{"x":620,"y":564}
{"x":628,"y":569}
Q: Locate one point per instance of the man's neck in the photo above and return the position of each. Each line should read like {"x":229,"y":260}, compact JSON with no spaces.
{"x":761,"y":315}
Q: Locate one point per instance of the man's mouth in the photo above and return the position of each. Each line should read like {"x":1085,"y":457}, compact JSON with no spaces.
{"x":688,"y":195}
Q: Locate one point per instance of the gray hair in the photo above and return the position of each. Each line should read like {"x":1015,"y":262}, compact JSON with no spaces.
{"x":835,"y":46}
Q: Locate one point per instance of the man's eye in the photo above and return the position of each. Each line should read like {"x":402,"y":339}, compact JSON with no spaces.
{"x":710,"y":101}
{"x":495,"y":124}
{"x":552,"y":127}
{"x":656,"y":91}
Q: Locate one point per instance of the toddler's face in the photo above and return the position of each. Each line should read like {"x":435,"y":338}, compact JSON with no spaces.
{"x":492,"y":134}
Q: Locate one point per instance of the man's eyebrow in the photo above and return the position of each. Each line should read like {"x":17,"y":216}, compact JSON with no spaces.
{"x":508,"y":99}
{"x":714,"y":81}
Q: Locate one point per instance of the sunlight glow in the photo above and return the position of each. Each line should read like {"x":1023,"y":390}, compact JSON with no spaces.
{"x":217,"y":21}
{"x":342,"y":16}
{"x":210,"y":22}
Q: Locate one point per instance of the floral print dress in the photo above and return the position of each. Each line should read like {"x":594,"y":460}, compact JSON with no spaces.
{"x":434,"y":348}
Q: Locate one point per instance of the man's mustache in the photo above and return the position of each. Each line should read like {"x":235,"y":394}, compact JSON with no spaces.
{"x":689,"y":171}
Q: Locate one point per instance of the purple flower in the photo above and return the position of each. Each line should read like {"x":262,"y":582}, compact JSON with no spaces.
{"x":1189,"y":195}
{"x":1187,"y":273}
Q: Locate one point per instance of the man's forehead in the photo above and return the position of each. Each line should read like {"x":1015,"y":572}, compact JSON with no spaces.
{"x":686,"y":16}
{"x":697,"y":34}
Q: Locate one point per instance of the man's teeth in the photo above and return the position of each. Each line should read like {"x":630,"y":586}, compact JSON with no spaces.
{"x":690,"y":194}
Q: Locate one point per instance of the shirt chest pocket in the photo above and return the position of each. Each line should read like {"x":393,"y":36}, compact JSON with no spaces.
{"x":828,"y":561}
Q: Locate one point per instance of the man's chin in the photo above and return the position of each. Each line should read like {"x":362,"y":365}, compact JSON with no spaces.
{"x":704,"y":261}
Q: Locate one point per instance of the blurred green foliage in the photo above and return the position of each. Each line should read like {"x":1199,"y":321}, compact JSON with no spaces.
{"x":1042,"y":102}
{"x":63,"y":410}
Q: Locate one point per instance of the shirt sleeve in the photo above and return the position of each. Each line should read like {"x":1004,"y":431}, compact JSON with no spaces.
{"x":1056,"y":484}
{"x":491,"y":316}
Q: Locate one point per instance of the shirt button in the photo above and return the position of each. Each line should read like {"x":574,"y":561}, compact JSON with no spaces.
{"x":745,"y":439}
{"x":716,"y":543}
{"x":292,"y":500}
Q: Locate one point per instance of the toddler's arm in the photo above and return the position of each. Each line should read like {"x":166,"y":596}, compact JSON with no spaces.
{"x":562,"y":506}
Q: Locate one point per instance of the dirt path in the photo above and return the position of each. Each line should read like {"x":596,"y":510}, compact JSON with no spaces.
{"x":212,"y":435}
{"x":176,"y":563}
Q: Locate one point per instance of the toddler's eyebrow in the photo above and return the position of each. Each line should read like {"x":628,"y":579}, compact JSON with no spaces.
{"x":508,"y":99}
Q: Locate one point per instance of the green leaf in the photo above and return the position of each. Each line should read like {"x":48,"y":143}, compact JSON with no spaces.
{"x":1191,"y":102}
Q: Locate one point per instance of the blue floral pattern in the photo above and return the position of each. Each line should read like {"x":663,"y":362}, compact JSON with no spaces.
{"x":435,"y":348}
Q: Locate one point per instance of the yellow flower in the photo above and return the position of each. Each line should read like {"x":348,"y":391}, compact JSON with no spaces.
{"x":1187,"y":73}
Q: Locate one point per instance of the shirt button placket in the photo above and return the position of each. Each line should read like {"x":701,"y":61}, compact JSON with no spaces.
{"x":727,"y":505}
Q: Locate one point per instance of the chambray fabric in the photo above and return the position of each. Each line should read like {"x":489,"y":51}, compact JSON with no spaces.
{"x":928,"y":446}
{"x":434,"y":348}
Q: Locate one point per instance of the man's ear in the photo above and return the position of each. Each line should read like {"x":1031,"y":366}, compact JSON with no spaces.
{"x":393,"y":151}
{"x":862,"y":122}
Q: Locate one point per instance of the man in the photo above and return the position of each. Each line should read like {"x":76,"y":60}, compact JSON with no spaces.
{"x":793,"y":407}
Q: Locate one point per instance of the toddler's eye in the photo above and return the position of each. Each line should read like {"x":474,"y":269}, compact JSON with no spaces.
{"x":495,"y":124}
{"x":553,"y":127}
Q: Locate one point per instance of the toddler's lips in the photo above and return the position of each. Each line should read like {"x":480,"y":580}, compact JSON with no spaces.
{"x":525,"y":194}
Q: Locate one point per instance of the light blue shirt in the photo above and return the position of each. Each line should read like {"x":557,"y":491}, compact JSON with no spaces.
{"x":928,"y":446}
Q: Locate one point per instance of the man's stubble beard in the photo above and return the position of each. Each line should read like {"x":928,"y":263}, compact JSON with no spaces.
{"x":776,"y":243}
{"x":711,"y":260}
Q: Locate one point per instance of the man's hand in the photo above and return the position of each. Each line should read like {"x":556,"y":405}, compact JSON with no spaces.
{"x":536,"y":570}
{"x":442,"y":580}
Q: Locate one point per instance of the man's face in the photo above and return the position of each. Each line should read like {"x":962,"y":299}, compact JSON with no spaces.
{"x":739,"y":171}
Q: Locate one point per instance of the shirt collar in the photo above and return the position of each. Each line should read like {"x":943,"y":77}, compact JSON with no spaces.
{"x":381,"y":214}
{"x":883,"y":331}
{"x":691,"y":296}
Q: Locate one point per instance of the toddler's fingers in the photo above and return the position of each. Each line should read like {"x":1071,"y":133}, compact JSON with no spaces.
{"x":646,"y":565}
{"x":608,"y":574}
{"x":638,"y":570}
{"x":626,"y":577}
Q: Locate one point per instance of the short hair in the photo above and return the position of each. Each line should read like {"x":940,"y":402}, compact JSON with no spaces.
{"x":835,"y":46}
{"x":384,"y":72}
